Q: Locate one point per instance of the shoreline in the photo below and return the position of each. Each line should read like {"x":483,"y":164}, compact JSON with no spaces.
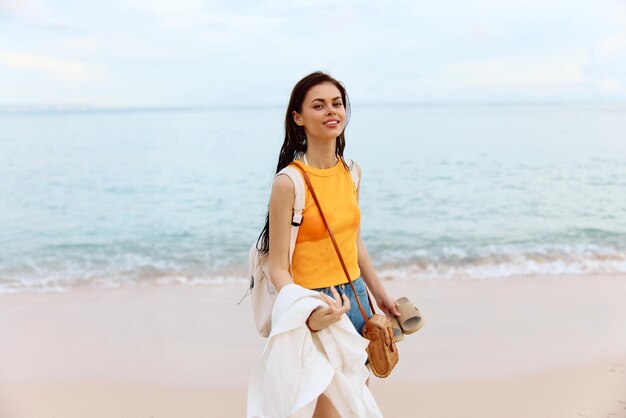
{"x":240,"y":281}
{"x":540,"y":346}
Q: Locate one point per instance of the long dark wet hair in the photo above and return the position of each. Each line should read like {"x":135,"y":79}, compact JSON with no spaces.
{"x":295,"y":138}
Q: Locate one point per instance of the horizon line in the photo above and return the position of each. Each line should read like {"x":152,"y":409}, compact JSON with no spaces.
{"x":88,"y":108}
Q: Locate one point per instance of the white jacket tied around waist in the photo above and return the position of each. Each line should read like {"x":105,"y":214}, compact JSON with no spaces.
{"x":297,"y":366}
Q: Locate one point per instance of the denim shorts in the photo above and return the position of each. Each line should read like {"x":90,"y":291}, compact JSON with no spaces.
{"x":354,"y":314}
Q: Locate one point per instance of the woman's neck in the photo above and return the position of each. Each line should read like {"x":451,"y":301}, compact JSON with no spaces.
{"x":321,"y":154}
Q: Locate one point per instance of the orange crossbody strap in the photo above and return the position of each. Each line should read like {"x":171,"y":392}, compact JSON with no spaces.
{"x":332,"y":238}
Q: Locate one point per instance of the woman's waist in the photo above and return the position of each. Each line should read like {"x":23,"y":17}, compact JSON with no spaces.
{"x":318,"y":281}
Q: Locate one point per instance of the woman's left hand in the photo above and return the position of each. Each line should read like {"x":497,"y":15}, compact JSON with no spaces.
{"x":387,"y":304}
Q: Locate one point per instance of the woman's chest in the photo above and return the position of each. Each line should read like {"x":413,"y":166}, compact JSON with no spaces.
{"x":340,"y":207}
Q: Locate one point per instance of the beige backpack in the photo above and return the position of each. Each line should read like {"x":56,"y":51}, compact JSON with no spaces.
{"x":263,"y":293}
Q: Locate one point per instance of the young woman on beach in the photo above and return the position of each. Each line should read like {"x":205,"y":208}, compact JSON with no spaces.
{"x":315,"y":124}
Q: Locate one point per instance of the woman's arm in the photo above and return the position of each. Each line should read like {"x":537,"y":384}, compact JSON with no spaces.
{"x":281,"y":206}
{"x":383,"y":300}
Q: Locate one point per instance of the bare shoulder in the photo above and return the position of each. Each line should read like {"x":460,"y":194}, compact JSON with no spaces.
{"x":282,"y":183}
{"x":283,"y":189}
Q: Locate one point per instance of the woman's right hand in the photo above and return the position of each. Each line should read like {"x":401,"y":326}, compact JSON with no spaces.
{"x":324,"y":316}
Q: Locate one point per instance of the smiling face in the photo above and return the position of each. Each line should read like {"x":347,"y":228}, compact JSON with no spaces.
{"x":323,"y":113}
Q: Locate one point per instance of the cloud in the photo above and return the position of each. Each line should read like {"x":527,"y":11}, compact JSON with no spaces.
{"x":35,"y":14}
{"x":167,"y":8}
{"x":24,"y":8}
{"x":48,"y":65}
{"x":611,"y":86}
{"x":479,"y":31}
{"x":519,"y":72}
{"x":521,"y":76}
{"x":201,"y":51}
{"x":190,"y":15}
{"x":614,"y":45}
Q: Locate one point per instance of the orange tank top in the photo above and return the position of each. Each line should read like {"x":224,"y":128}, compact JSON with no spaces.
{"x":315,"y":262}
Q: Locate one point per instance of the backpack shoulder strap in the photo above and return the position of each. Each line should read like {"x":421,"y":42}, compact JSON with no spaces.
{"x":298,"y":204}
{"x":353,"y":172}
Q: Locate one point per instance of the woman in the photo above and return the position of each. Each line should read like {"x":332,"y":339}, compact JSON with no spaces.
{"x":315,"y":124}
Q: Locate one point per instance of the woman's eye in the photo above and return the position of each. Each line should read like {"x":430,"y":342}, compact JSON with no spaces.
{"x":317,"y":107}
{"x":338,"y":104}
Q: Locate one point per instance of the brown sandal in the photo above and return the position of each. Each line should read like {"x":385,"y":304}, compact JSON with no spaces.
{"x":410,"y":319}
{"x":397,"y":331}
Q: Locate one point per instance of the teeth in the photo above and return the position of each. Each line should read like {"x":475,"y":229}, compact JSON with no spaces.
{"x":332,"y":122}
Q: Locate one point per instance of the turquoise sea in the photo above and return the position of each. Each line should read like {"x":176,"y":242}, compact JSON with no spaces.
{"x":111,"y":198}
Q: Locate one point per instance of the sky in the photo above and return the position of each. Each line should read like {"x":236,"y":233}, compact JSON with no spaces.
{"x":179,"y":53}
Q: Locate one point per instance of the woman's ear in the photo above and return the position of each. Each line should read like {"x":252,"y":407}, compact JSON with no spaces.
{"x":297,"y":118}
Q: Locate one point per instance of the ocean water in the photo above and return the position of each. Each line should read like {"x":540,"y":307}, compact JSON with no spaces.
{"x":118,"y":198}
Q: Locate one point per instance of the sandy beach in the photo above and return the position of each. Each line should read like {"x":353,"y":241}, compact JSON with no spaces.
{"x":517,"y":347}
